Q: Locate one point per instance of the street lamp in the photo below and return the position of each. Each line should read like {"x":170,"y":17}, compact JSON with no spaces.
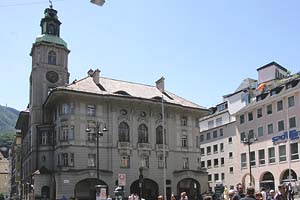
{"x":98,"y":133}
{"x":248,"y":142}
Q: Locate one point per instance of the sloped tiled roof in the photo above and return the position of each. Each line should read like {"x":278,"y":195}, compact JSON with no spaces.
{"x":114,"y":87}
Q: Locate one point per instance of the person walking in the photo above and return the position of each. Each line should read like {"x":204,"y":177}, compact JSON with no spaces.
{"x":271,"y":195}
{"x":240,"y":192}
{"x":249,"y":194}
{"x":281,"y":194}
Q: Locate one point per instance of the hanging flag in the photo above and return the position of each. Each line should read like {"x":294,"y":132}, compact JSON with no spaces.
{"x":261,"y":86}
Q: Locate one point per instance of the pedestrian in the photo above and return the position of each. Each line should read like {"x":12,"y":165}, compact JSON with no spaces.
{"x":160,"y":197}
{"x":281,"y":194}
{"x":263,"y":192}
{"x":258,"y":196}
{"x":225,"y":193}
{"x":240,"y":192}
{"x":108,"y":197}
{"x":230,"y":194}
{"x":291,"y":191}
{"x":271,"y":195}
{"x":249,"y":194}
{"x":183,"y":196}
{"x":173,"y":197}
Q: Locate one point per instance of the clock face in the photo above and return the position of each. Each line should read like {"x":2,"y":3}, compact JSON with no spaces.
{"x":52,"y":76}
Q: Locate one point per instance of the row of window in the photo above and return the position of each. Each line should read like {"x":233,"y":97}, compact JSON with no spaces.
{"x":209,"y":151}
{"x":216,"y":163}
{"x":271,"y":157}
{"x":216,"y":177}
{"x":269,"y":110}
{"x":209,"y":135}
{"x":270,"y":129}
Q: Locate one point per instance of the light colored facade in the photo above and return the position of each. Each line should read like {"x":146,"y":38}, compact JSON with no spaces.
{"x":59,"y":155}
{"x":274,"y":112}
{"x":218,"y":137}
{"x":4,"y":176}
{"x":15,"y":168}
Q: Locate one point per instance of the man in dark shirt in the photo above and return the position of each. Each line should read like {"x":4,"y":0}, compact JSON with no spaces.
{"x":240,"y":192}
{"x":249,"y":194}
{"x":281,"y":195}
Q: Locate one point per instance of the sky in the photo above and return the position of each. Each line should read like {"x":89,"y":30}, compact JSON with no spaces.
{"x":204,"y":49}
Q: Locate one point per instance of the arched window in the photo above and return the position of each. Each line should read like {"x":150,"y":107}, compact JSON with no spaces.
{"x":123,"y":132}
{"x":45,"y":192}
{"x":52,"y":58}
{"x":143,"y":134}
{"x":159,"y":135}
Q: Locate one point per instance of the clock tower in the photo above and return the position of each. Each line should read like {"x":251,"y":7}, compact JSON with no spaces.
{"x":49,"y":55}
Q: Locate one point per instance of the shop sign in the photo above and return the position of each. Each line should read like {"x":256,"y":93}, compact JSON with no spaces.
{"x":292,"y":134}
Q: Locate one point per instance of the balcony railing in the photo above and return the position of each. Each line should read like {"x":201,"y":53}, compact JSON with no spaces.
{"x":144,"y":146}
{"x":161,"y":147}
{"x":124,"y":145}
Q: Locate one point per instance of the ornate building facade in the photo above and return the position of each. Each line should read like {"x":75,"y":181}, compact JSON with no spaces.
{"x":64,"y":126}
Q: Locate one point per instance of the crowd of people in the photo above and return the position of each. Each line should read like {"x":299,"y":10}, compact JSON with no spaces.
{"x":284,"y":192}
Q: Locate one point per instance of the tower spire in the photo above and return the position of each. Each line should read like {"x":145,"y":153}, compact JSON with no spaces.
{"x":51,"y":5}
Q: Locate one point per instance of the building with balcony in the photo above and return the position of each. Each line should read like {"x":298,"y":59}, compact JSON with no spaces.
{"x":62,"y":127}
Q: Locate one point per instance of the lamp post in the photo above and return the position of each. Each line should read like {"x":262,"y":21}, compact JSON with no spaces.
{"x":248,"y":142}
{"x":98,"y":133}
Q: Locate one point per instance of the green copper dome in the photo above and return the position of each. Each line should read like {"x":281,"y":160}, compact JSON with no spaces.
{"x":51,"y":39}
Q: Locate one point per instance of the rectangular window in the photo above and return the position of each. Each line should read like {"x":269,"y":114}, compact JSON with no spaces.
{"x":219,"y":121}
{"x":252,"y":158}
{"x":292,"y":122}
{"x":282,"y":153}
{"x":201,"y":138}
{"x":250,"y":116}
{"x":145,"y":162}
{"x":209,"y":177}
{"x":294,"y":151}
{"x":202,"y":164}
{"x":67,"y":108}
{"x":216,"y":162}
{"x":221,"y":147}
{"x":65,"y":133}
{"x":44,"y":138}
{"x":291,"y":101}
{"x":280,"y":125}
{"x":230,"y":155}
{"x":223,"y":176}
{"x":259,"y":113}
{"x":202,"y":151}
{"x":271,"y":154}
{"x":91,"y":135}
{"x":125,"y":162}
{"x":160,"y":161}
{"x":261,"y":157}
{"x":215,"y":134}
{"x":221,"y":132}
{"x":243,"y":136}
{"x":71,"y":133}
{"x":270,"y":129}
{"x":230,"y":140}
{"x":184,"y":121}
{"x":208,"y":136}
{"x":222,"y":161}
{"x":215,"y":148}
{"x":208,"y":164}
{"x":184,"y":141}
{"x":216,"y":177}
{"x":72,"y":159}
{"x":243,"y":160}
{"x":185,"y":163}
{"x":231,"y":170}
{"x":210,"y":124}
{"x":242,"y":119}
{"x":269,"y":109}
{"x":65,"y":159}
{"x":91,"y":160}
{"x":208,"y":150}
{"x":251,"y":134}
{"x":279,"y":105}
{"x":91,"y":110}
{"x":260,"y":131}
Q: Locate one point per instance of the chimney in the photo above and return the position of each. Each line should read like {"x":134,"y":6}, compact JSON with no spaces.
{"x":90,"y":72}
{"x":96,"y":75}
{"x":160,"y":84}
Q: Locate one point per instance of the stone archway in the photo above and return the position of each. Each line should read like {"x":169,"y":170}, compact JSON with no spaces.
{"x":190,"y":186}
{"x":150,"y":189}
{"x":267,"y":181}
{"x":284,"y":176}
{"x":246,"y":180}
{"x":85,"y":189}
